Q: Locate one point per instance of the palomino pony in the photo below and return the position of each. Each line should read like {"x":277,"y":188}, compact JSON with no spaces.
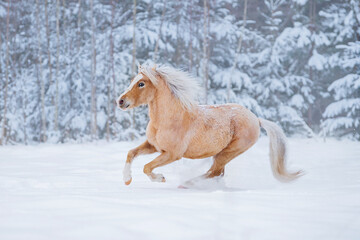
{"x":179,"y":127}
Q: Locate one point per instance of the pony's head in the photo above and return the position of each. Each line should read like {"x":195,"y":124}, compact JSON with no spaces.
{"x":144,"y":86}
{"x":141,"y":91}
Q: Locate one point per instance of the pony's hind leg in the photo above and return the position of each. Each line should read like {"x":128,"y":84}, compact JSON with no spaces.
{"x":217,"y":169}
{"x":234,"y":149}
{"x":220,"y":160}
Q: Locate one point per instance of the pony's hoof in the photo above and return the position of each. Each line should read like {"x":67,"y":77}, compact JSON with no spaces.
{"x":160,"y":178}
{"x":157,"y":178}
{"x":182,"y":187}
{"x":128,"y":182}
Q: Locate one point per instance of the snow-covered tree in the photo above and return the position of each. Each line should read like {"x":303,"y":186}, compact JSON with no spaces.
{"x":287,"y":61}
{"x":282,"y":89}
{"x":342,"y":117}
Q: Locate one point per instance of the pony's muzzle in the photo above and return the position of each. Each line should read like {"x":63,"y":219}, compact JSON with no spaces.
{"x":123,"y":104}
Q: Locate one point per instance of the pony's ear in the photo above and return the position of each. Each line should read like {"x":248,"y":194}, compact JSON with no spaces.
{"x":154,"y":68}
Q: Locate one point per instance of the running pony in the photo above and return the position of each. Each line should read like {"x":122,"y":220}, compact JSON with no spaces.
{"x":179,"y":127}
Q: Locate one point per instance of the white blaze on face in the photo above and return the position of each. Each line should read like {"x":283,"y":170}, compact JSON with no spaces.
{"x":136,"y":79}
{"x":127,"y":172}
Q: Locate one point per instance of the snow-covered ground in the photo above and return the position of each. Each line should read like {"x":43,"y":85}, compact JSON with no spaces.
{"x":75,"y":191}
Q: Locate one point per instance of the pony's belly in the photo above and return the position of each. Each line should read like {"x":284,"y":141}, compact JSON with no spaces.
{"x":197,"y":154}
{"x":218,"y":126}
{"x":208,"y":144}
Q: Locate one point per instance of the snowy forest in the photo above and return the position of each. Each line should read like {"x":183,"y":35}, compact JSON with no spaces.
{"x":63,"y":63}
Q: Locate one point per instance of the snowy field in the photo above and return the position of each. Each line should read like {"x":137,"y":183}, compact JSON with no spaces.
{"x":75,"y":191}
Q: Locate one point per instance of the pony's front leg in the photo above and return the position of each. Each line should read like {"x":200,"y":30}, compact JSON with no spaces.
{"x":163,"y":159}
{"x":145,"y":148}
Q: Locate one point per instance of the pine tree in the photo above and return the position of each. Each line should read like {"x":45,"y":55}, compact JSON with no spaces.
{"x":342,"y":117}
{"x":56,"y":101}
{"x":4,"y":118}
{"x":283,"y":90}
{"x":296,"y":59}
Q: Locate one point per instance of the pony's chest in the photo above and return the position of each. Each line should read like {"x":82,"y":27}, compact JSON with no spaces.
{"x":164,"y":139}
{"x":151,"y":133}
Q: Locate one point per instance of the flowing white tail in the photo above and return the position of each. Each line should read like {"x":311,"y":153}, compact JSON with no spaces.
{"x":278,"y":152}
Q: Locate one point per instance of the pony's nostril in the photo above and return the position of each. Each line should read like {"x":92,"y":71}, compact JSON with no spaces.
{"x":121,"y":102}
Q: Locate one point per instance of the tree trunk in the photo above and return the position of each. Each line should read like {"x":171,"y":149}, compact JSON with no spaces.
{"x":42,"y":87}
{"x":108,"y":109}
{"x":67,"y":47}
{"x":238,"y":50}
{"x":108,"y":76}
{"x":205,"y":50}
{"x":133,"y":67}
{"x":93,"y":77}
{"x":48,"y":48}
{"x":159,"y":34}
{"x":83,"y":90}
{"x":190,"y":37}
{"x":113,"y":120}
{"x":4,"y":123}
{"x":108,"y":90}
{"x":57,"y":67}
{"x":79,"y":28}
{"x":24,"y":105}
{"x":312,"y":15}
{"x":177,"y":54}
{"x":15,"y":67}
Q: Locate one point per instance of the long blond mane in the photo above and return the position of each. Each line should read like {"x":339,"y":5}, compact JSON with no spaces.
{"x":184,"y":87}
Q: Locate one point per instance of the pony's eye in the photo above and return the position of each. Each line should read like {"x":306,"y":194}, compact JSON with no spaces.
{"x":141,"y":85}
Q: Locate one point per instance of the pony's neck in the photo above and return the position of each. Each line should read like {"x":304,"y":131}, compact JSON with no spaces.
{"x":165,"y":108}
